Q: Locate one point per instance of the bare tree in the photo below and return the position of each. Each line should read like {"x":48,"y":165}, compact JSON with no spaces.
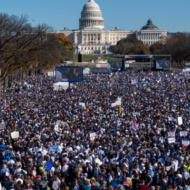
{"x":22,"y":45}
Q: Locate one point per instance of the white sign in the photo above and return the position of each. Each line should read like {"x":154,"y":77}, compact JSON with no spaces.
{"x":113,"y":105}
{"x":101,"y":65}
{"x":92,"y":136}
{"x":170,"y":118}
{"x":180,"y":121}
{"x":183,"y":133}
{"x":171,"y":134}
{"x":171,"y":140}
{"x":168,"y":159}
{"x":81,"y":106}
{"x":51,"y":73}
{"x":56,"y":128}
{"x":185,"y":143}
{"x":126,"y":65}
{"x":15,"y":135}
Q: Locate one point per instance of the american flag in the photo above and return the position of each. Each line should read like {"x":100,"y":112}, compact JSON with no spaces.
{"x":134,"y":126}
{"x":32,"y":20}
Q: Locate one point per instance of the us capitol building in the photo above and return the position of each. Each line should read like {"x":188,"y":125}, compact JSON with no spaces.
{"x":92,"y":38}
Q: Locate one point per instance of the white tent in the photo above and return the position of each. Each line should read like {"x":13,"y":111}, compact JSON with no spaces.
{"x":60,"y":86}
{"x":86,"y":71}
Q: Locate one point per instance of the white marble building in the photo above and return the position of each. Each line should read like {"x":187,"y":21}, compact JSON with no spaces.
{"x":92,"y":38}
{"x":151,"y":34}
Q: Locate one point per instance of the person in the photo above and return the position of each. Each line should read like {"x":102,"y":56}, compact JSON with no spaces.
{"x":43,"y":184}
{"x":28,"y":181}
{"x":103,"y":186}
{"x":87,"y":186}
{"x":143,"y":186}
{"x":75,"y":185}
{"x":93,"y":186}
{"x":56,"y":184}
{"x":63,"y":184}
{"x":81,"y":181}
{"x":136,"y":182}
{"x":6,"y":182}
{"x":12,"y":187}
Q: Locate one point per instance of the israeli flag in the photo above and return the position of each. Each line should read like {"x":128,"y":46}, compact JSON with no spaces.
{"x":4,"y":105}
{"x":118,"y":122}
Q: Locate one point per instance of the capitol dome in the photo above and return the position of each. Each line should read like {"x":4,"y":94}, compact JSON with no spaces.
{"x":149,"y":26}
{"x":91,"y":16}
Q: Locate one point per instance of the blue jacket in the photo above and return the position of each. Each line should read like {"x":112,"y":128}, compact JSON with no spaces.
{"x":86,"y":187}
{"x":114,"y":181}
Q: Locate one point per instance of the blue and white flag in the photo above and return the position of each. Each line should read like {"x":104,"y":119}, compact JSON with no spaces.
{"x":4,"y":105}
{"x":118,"y":122}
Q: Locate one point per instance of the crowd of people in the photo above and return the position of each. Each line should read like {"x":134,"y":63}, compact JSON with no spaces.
{"x":118,"y":131}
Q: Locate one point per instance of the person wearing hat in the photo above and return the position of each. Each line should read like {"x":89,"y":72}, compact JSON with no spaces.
{"x":93,"y":186}
{"x":75,"y":185}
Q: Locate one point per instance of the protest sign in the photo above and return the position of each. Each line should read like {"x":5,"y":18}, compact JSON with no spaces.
{"x":56,"y":128}
{"x":36,"y":109}
{"x":185,"y":143}
{"x":171,"y":134}
{"x":2,"y":126}
{"x":113,"y":105}
{"x":168,"y":159}
{"x":81,"y":106}
{"x":48,"y":166}
{"x":171,"y":140}
{"x":92,"y":136}
{"x":183,"y":133}
{"x":53,"y":148}
{"x":15,"y":134}
{"x":170,"y":118}
{"x":180,"y":121}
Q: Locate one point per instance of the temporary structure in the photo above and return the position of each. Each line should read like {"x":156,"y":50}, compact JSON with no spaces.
{"x":61,"y":86}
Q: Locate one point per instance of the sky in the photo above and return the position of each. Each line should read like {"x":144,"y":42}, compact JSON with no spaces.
{"x":170,"y":15}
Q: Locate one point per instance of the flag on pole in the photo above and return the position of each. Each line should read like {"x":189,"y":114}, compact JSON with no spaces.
{"x":32,"y":20}
{"x":118,"y":122}
{"x":119,"y":108}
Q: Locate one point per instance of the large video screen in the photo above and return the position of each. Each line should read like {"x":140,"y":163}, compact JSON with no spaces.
{"x":115,"y":64}
{"x":162,"y":64}
{"x":69,"y":74}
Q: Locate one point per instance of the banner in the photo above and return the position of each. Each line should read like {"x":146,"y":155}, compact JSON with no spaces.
{"x":168,"y":159}
{"x":170,"y":118}
{"x":185,"y":143}
{"x":53,"y":148}
{"x":92,"y":136}
{"x":2,"y":126}
{"x":101,"y":65}
{"x":171,"y":134}
{"x":171,"y":140}
{"x":81,"y":106}
{"x":183,"y":133}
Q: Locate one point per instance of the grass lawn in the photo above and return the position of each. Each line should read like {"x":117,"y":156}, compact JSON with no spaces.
{"x":87,"y":58}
